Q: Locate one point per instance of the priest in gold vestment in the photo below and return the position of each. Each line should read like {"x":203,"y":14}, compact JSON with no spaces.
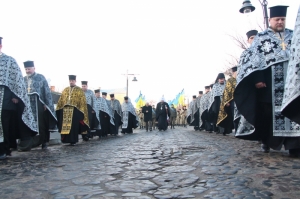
{"x":226,"y":112}
{"x":72,"y":113}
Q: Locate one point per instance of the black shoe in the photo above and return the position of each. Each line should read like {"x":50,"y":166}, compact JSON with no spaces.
{"x":85,"y":138}
{"x":44,"y":146}
{"x":265,"y":148}
{"x":295,"y":153}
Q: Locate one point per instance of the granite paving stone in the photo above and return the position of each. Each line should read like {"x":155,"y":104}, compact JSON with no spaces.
{"x":177,"y":163}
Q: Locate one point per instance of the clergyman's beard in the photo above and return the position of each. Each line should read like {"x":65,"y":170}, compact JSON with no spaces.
{"x":280,"y":29}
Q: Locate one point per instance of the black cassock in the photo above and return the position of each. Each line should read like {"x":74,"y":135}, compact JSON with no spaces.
{"x":114,"y":129}
{"x":105,"y":124}
{"x":77,"y":126}
{"x":194,"y":123}
{"x":162,"y":115}
{"x":132,"y":123}
{"x":213,"y":112}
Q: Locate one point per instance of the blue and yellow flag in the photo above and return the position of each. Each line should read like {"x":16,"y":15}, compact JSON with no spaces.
{"x":140,"y":101}
{"x":181,"y":98}
{"x":178,"y":101}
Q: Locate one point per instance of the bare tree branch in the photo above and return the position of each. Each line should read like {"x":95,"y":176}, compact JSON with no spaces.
{"x":239,"y":40}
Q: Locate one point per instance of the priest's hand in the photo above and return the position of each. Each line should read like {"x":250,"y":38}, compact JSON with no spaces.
{"x":227,"y":104}
{"x":14,"y":100}
{"x":45,"y":108}
{"x":260,"y":85}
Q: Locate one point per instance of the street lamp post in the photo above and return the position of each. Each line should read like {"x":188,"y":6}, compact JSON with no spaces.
{"x":247,"y":7}
{"x":134,"y":80}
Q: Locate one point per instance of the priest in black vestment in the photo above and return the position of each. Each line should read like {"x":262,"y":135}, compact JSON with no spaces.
{"x":129,"y":117}
{"x":260,"y":88}
{"x":105,"y":112}
{"x":41,"y":104}
{"x":162,"y":114}
{"x":117,"y":114}
{"x":193,"y":114}
{"x":203,"y":110}
{"x":291,"y":99}
{"x":250,"y":37}
{"x":215,"y":101}
{"x":93,"y":113}
{"x":16,"y":118}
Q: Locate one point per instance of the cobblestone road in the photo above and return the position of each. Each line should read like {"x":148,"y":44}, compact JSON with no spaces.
{"x":178,"y":163}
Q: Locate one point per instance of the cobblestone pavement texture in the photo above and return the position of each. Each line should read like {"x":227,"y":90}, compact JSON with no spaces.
{"x":179,"y":163}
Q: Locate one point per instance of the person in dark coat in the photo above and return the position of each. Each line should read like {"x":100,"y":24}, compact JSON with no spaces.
{"x":147,"y":111}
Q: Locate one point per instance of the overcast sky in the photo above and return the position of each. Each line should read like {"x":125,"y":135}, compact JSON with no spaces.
{"x":171,"y":44}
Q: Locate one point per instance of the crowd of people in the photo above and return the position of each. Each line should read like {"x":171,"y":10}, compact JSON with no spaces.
{"x":147,"y":116}
{"x":260,"y":100}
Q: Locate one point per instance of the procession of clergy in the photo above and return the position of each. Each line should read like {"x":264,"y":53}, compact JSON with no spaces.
{"x":260,"y":101}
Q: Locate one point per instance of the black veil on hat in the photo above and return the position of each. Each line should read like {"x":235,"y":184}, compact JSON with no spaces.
{"x":194,"y":96}
{"x":125,"y":98}
{"x":251,"y":33}
{"x":104,"y":93}
{"x":72,"y":77}
{"x":84,"y":82}
{"x":112,"y":95}
{"x":97,"y":91}
{"x":278,"y":11}
{"x":28,"y":64}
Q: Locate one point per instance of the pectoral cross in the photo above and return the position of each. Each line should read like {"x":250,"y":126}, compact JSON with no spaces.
{"x":283,"y":45}
{"x":29,"y":83}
